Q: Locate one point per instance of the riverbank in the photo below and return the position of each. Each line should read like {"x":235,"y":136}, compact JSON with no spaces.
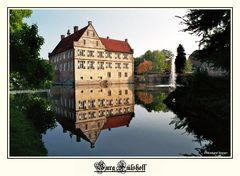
{"x":25,"y":140}
{"x":202,"y":106}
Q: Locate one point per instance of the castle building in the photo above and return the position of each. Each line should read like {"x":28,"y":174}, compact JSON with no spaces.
{"x":85,"y":58}
{"x":86,"y":110}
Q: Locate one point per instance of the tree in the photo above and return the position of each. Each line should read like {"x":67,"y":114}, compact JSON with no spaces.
{"x":16,"y":19}
{"x":145,"y":97}
{"x":27,"y":69}
{"x":180,"y":60}
{"x":213,"y":26}
{"x":157,"y":58}
{"x":144,"y":67}
{"x":188,"y":66}
{"x":168,"y":54}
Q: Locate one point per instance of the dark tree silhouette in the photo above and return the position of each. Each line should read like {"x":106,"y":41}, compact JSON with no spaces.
{"x":180,"y":59}
{"x":213,"y":26}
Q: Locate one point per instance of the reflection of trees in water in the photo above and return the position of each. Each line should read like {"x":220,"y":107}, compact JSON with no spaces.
{"x":37,"y":108}
{"x":151,"y":100}
{"x":145,"y":97}
{"x":203,"y":109}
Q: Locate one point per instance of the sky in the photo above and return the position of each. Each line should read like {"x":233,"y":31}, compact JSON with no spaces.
{"x":145,"y":29}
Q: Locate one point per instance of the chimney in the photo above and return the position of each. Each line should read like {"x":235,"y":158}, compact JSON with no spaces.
{"x":62,"y":37}
{"x":107,"y":37}
{"x":68,"y":32}
{"x":126,"y":40}
{"x":89,"y":22}
{"x":75,"y":28}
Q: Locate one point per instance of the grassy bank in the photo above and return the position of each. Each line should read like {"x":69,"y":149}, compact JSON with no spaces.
{"x":25,"y":140}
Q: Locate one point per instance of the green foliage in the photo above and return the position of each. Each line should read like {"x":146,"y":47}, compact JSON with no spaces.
{"x":213,"y":26}
{"x":16,"y":19}
{"x":167,"y":53}
{"x":187,"y":67}
{"x":43,"y":116}
{"x":25,"y":139}
{"x":180,"y":60}
{"x":152,"y":101}
{"x":156,"y":57}
{"x":27,"y":69}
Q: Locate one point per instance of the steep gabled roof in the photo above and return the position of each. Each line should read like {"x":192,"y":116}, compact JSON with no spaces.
{"x":67,"y":42}
{"x":110,"y":44}
{"x":116,"y":45}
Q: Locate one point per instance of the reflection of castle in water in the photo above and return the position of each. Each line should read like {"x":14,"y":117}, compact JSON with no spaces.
{"x":86,"y":110}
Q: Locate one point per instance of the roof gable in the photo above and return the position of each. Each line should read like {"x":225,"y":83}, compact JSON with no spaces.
{"x":67,"y":42}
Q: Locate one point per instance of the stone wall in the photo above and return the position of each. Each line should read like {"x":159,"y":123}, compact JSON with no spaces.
{"x":152,"y":78}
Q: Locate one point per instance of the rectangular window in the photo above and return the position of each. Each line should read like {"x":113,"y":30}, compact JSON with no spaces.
{"x":111,"y":102}
{"x":120,"y":110}
{"x":119,"y":74}
{"x":109,"y":93}
{"x":69,"y":54}
{"x":80,"y":52}
{"x":92,"y":115}
{"x":108,"y":65}
{"x":90,"y":53}
{"x":97,"y":43}
{"x":127,"y":101}
{"x":101,"y":102}
{"x":91,"y":103}
{"x":117,"y":65}
{"x":84,"y":42}
{"x":82,"y":116}
{"x":82,"y":104}
{"x":126,"y":91}
{"x":109,"y":74}
{"x":126,"y":75}
{"x":125,"y":56}
{"x":125,"y":65}
{"x":90,"y":64}
{"x":100,"y":65}
{"x":100,"y":54}
{"x":64,"y":67}
{"x":81,"y":64}
{"x":120,"y":92}
{"x":109,"y":54}
{"x":100,"y":114}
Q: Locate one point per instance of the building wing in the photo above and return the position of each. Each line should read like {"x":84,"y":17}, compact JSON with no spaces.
{"x":113,"y":45}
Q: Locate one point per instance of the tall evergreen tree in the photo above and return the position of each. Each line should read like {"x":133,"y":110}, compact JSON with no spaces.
{"x":213,"y":26}
{"x":180,"y":60}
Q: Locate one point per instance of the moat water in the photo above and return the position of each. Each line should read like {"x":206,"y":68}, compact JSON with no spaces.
{"x":120,"y":120}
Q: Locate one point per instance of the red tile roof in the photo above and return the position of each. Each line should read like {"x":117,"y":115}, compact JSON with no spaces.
{"x":117,"y":121}
{"x":67,"y":42}
{"x":110,"y":44}
{"x":116,"y":45}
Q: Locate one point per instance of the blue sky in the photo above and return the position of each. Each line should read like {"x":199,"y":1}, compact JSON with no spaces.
{"x":145,"y":29}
